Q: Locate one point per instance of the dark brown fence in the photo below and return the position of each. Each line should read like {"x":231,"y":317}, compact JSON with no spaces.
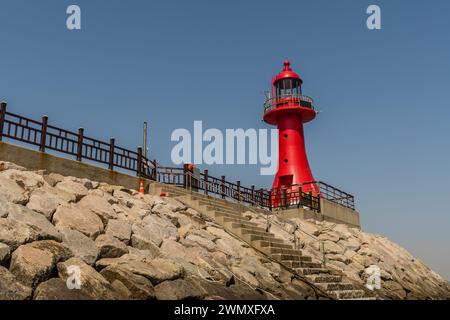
{"x":220,"y":187}
{"x":48,"y":137}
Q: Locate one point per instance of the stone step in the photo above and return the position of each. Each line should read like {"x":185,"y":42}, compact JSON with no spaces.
{"x":254,"y":232}
{"x":200,"y":196}
{"x":312,"y":271}
{"x":249,"y":225}
{"x":219,"y":203}
{"x":251,"y":238}
{"x":288,"y":251}
{"x":347,"y":294}
{"x":266,"y":244}
{"x":220,"y":208}
{"x":336,"y":286}
{"x":167,"y":191}
{"x":287,"y":257}
{"x":173,"y":189}
{"x":220,"y":213}
{"x":291,"y":264}
{"x":310,"y":264}
{"x":224,"y":219}
{"x":323,"y":278}
{"x":213,"y":202}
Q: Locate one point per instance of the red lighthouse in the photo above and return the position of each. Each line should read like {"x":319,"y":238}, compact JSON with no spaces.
{"x":289,"y":109}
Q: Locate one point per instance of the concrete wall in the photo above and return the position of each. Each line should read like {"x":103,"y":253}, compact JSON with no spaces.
{"x":329,"y":211}
{"x":35,"y":160}
{"x":336,"y":213}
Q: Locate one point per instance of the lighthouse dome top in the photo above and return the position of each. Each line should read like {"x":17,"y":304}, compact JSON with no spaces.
{"x":287,"y":73}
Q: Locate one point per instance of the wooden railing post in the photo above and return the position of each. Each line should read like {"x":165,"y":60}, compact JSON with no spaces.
{"x":2,"y":118}
{"x":155,"y":170}
{"x":139,"y":162}
{"x":253,"y":195}
{"x":186,"y":179}
{"x":112,"y":142}
{"x":80,"y":144}
{"x":222,"y":185}
{"x":43,"y":133}
{"x":205,"y":177}
{"x":269,"y":195}
{"x":238,"y":189}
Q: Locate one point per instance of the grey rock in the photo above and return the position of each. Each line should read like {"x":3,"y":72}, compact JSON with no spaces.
{"x":139,"y":287}
{"x":157,"y":270}
{"x":119,"y":229}
{"x":100,"y":206}
{"x":14,"y":233}
{"x":10,"y":288}
{"x":78,"y":218}
{"x":81,"y":246}
{"x":44,"y":203}
{"x":5,"y":253}
{"x":57,"y":289}
{"x":75,"y":188}
{"x":44,"y":229}
{"x":194,"y":240}
{"x":12,"y":192}
{"x":110,"y":247}
{"x":178,"y":290}
{"x":31,"y":265}
{"x":92,"y":283}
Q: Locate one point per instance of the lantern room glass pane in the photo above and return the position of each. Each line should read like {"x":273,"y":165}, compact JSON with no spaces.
{"x":288,"y":87}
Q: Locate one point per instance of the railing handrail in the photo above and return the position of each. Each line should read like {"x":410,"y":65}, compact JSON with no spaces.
{"x":274,"y":101}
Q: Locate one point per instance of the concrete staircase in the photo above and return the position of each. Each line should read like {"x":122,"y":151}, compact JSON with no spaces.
{"x":229,"y":215}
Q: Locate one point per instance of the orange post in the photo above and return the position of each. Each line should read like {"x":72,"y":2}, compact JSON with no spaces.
{"x":141,"y":186}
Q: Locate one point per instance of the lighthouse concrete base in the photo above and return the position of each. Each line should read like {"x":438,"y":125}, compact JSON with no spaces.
{"x":329,"y":211}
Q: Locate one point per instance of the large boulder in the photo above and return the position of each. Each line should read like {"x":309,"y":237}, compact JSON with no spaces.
{"x":196,"y":240}
{"x":178,"y":290}
{"x":56,"y":289}
{"x":100,"y":206}
{"x":14,"y":233}
{"x":29,"y":180}
{"x":110,"y":247}
{"x":153,"y":230}
{"x":5,"y":165}
{"x":44,"y":229}
{"x":139,"y":287}
{"x":44,"y":203}
{"x":92,"y":283}
{"x":78,"y":218}
{"x":12,"y":192}
{"x":34,"y":262}
{"x":119,"y":229}
{"x":73,"y":187}
{"x":157,"y":270}
{"x":5,"y":252}
{"x":10,"y":288}
{"x":31,"y":265}
{"x":81,"y":246}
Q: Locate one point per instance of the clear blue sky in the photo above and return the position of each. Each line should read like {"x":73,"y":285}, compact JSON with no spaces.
{"x":383,"y":133}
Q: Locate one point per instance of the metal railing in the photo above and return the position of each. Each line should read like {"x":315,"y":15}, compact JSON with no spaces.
{"x":49,"y":137}
{"x":288,"y":100}
{"x":221,"y":188}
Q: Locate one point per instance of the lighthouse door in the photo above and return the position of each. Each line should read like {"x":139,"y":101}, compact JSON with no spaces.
{"x":285,"y":180}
